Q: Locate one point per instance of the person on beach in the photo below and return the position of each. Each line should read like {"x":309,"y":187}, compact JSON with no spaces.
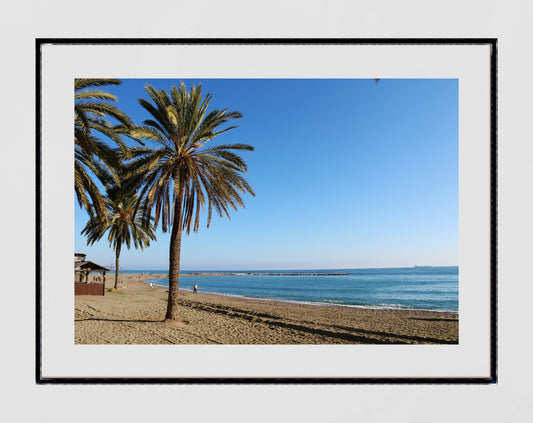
{"x":195,"y":288}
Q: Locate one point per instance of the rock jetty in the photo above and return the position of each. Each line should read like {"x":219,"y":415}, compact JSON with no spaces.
{"x":265,"y":274}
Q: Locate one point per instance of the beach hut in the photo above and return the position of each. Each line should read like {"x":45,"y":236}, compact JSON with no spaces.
{"x":84,"y":282}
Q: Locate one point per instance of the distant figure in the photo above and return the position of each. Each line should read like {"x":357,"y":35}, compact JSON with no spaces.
{"x":151,"y":285}
{"x":195,"y":289}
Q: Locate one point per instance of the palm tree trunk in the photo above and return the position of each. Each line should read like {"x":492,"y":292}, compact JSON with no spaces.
{"x":174,"y":260}
{"x":117,"y":266}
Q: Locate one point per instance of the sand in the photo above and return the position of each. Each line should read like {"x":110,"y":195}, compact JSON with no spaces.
{"x":136,"y":316}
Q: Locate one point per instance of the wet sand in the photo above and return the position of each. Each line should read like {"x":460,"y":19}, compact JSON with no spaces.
{"x":136,"y":316}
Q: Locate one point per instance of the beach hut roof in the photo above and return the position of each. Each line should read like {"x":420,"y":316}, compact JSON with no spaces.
{"x":90,"y":266}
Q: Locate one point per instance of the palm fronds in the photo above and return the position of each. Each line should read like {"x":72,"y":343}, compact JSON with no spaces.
{"x":181,"y":161}
{"x":94,"y":159}
{"x":125,"y":226}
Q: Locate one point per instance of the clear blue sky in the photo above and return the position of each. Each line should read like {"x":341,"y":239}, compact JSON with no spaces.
{"x":347,"y":174}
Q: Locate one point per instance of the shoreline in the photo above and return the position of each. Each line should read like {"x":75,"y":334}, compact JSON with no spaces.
{"x":136,"y":316}
{"x":311,"y":303}
{"x":318,"y":304}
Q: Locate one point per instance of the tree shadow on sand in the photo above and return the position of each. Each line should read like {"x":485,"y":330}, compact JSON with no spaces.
{"x":94,"y":319}
{"x":350,"y":334}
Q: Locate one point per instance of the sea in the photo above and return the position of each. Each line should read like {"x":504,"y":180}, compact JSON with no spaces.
{"x":419,"y":288}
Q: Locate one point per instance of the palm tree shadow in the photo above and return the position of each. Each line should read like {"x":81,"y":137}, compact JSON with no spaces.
{"x":119,"y":320}
{"x":350,"y":334}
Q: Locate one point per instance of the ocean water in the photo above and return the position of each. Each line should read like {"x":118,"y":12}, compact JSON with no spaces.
{"x":424,"y":288}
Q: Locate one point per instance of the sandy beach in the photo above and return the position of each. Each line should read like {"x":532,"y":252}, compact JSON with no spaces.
{"x":136,"y":314}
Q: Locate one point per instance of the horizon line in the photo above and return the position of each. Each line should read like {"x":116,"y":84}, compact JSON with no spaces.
{"x":313,"y":268}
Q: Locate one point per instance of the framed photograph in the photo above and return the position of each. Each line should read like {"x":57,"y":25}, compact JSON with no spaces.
{"x":266,"y":211}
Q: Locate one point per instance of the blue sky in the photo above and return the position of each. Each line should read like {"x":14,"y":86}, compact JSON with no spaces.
{"x":348,"y":173}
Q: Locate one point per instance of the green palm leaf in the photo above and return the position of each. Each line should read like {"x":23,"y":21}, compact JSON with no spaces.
{"x":94,"y":159}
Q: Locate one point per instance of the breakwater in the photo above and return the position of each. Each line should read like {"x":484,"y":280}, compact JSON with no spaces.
{"x":265,"y":274}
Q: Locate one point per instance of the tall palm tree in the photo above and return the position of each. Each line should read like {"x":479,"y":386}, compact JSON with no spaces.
{"x":124,"y":223}
{"x":93,"y":157}
{"x":181,"y":173}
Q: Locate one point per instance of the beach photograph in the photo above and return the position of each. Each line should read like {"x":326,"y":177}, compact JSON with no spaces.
{"x":266,"y":211}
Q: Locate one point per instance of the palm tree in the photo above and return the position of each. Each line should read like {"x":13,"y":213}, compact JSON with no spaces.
{"x":92,"y":156}
{"x":181,"y":173}
{"x":124,"y":222}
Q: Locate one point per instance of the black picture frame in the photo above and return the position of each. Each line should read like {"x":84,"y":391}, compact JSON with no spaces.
{"x":492,"y":379}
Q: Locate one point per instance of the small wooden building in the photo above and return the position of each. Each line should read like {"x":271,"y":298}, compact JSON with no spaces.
{"x":89,"y":277}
